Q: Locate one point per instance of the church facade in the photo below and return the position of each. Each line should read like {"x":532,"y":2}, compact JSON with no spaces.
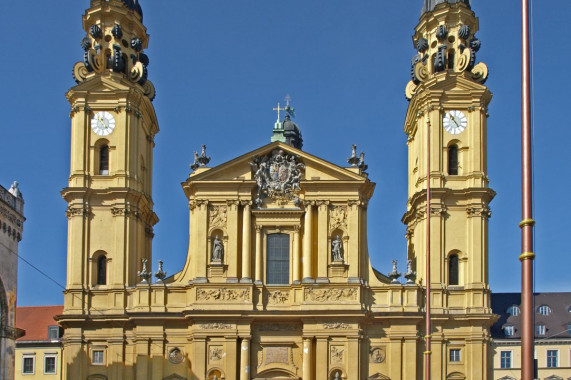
{"x":277,"y":282}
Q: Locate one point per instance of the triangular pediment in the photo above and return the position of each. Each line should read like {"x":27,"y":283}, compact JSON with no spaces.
{"x":239,"y":169}
{"x":113,"y":82}
{"x":378,"y":376}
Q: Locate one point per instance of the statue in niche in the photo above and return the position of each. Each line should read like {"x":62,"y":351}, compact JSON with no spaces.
{"x":337,"y":249}
{"x":337,"y":376}
{"x":217,"y":249}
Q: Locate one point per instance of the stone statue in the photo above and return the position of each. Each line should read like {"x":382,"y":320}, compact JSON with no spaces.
{"x":14,"y":190}
{"x":394,"y":275}
{"x":337,"y":376}
{"x":410,"y":275}
{"x":144,"y":274}
{"x":337,"y":249}
{"x":217,"y":249}
{"x":353,"y":160}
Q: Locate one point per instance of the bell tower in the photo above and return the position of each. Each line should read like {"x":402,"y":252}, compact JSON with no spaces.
{"x":447,"y":94}
{"x":113,"y":124}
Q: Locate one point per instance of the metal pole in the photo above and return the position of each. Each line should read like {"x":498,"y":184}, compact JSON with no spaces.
{"x":527,"y":256}
{"x":427,"y":353}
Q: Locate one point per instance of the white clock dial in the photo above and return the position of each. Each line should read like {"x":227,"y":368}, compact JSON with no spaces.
{"x":102,"y":123}
{"x":454,"y":122}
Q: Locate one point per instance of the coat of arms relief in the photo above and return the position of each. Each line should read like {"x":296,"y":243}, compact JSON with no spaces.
{"x":278,"y":176}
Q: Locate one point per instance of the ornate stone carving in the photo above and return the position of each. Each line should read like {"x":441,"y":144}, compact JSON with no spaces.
{"x":483,"y":211}
{"x":464,"y":32}
{"x":215,"y":326}
{"x":126,"y":210}
{"x":277,"y":175}
{"x":175,"y":356}
{"x":218,"y":216}
{"x":336,"y":326}
{"x":278,"y":297}
{"x":216,"y":354}
{"x":222,"y":294}
{"x":77,"y":210}
{"x":353,"y":160}
{"x":278,"y":327}
{"x":332,"y":294}
{"x":337,"y":217}
{"x":201,"y":160}
{"x":337,"y":354}
{"x":377,"y":355}
{"x":441,"y":32}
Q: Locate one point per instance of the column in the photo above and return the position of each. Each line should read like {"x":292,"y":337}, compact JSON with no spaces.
{"x":307,"y":359}
{"x":246,"y":243}
{"x":245,"y":359}
{"x":259,"y":267}
{"x":322,"y":242}
{"x":307,"y":259}
{"x":296,"y":277}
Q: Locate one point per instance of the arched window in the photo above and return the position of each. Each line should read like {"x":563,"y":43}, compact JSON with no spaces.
{"x":453,"y":270}
{"x":104,"y":160}
{"x":513,"y":310}
{"x":453,"y":159}
{"x":544,"y":310}
{"x":102,"y":270}
{"x":277,"y":269}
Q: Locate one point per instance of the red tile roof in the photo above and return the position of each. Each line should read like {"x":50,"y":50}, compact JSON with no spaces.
{"x":35,"y":320}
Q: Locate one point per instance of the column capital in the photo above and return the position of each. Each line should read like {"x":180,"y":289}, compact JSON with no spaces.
{"x":246,"y":203}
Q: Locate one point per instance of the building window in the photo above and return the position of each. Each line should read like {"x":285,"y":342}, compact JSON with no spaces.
{"x":569,"y":329}
{"x":506,"y":359}
{"x":544,"y":310}
{"x":50,"y":365}
{"x":513,"y":311}
{"x":53,"y":332}
{"x":453,"y":270}
{"x":453,"y":159}
{"x":104,"y":160}
{"x":277,"y":270}
{"x":540,"y":329}
{"x":28,"y":365}
{"x":508,"y":330}
{"x":552,"y":358}
{"x":455,"y":355}
{"x":102,"y":270}
{"x":97,"y":357}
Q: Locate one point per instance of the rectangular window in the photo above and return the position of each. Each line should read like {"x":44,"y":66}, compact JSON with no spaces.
{"x":97,"y":357}
{"x":50,"y":365}
{"x":455,"y":355}
{"x":540,"y":330}
{"x":277,"y":269}
{"x":53,"y":332}
{"x":506,"y":359}
{"x":552,"y":358}
{"x":508,"y":330}
{"x":28,"y":365}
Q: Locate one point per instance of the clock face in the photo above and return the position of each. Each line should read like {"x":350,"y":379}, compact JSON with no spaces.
{"x":102,"y":123}
{"x":454,"y":122}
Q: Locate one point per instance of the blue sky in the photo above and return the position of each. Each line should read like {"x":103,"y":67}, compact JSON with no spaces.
{"x":219,"y":68}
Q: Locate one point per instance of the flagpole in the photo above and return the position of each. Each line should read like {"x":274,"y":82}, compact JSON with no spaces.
{"x":527,"y":256}
{"x":427,"y":352}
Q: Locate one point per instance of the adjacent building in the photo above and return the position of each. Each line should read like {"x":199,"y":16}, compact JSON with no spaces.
{"x":277,"y":281}
{"x":552,"y":336}
{"x":11,"y":228}
{"x":39,"y":352}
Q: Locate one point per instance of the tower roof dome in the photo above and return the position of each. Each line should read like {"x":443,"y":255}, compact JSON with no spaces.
{"x":134,"y":5}
{"x":430,"y":4}
{"x":292,"y":133}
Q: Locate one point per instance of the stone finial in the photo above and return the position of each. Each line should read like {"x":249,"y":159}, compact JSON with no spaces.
{"x":394,"y":275}
{"x":410,"y":275}
{"x":160,"y":274}
{"x":362,"y":164}
{"x":144,"y":274}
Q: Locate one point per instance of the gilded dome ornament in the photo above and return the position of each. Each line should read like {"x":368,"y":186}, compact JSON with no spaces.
{"x":137,"y":44}
{"x":86,"y":43}
{"x":475,"y":44}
